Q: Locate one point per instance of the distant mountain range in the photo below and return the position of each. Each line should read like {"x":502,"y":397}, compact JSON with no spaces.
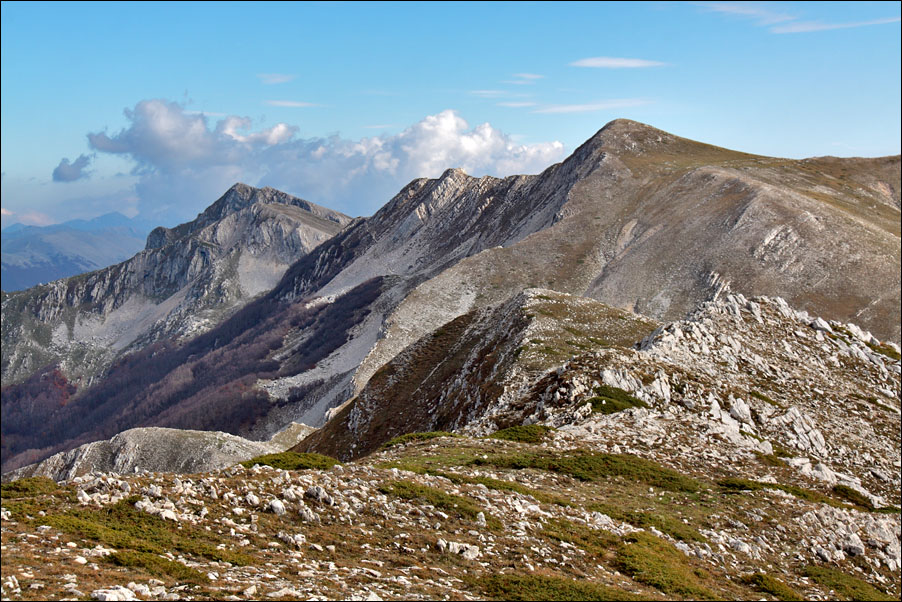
{"x":32,"y":255}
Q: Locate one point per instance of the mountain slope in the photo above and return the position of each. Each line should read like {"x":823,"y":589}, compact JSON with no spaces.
{"x":636,"y":218}
{"x":31,"y":255}
{"x":183,"y":283}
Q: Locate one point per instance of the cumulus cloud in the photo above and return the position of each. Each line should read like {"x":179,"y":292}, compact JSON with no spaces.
{"x":69,"y":172}
{"x":184,"y":161}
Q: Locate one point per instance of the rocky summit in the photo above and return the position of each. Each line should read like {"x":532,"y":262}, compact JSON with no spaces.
{"x":657,"y":370}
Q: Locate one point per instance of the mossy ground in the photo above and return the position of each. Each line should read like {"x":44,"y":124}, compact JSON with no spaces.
{"x":844,"y":585}
{"x":293,"y":461}
{"x":587,"y":466}
{"x":412,"y":437}
{"x":773,"y":586}
{"x":609,"y":400}
{"x":532,"y":433}
{"x":547,"y":587}
{"x":451,"y":503}
{"x":655,"y":562}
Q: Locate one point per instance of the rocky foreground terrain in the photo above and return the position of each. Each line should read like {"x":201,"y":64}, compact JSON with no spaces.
{"x":750,"y":451}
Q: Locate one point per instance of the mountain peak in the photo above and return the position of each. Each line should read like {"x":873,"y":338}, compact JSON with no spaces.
{"x":239,"y":196}
{"x":626,"y":134}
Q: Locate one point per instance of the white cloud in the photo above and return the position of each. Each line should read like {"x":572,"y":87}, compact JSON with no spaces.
{"x":516,"y":105}
{"x":763,"y":15}
{"x":783,"y":23}
{"x":606,"y":105}
{"x":523,"y":79}
{"x":290,"y":103}
{"x":36,"y":218}
{"x":809,"y":26}
{"x":275,"y":78}
{"x":4,"y":211}
{"x":488,"y":93}
{"x":607,"y":62}
{"x":183,"y":162}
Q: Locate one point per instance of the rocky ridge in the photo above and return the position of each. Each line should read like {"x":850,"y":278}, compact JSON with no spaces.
{"x":155,"y":449}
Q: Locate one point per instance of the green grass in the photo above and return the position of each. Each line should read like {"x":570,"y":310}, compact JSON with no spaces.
{"x":529,"y":433}
{"x":664,"y":523}
{"x":590,"y":467}
{"x":123,"y":527}
{"x":844,"y":496}
{"x":770,"y":460}
{"x":655,"y":562}
{"x":885,"y":350}
{"x":456,"y":504}
{"x":773,"y":586}
{"x":764,"y":398}
{"x":609,"y":400}
{"x":845,"y":585}
{"x":157,"y":566}
{"x":502,"y":485}
{"x":853,"y":496}
{"x":27,"y":498}
{"x":412,"y":437}
{"x":496,"y":484}
{"x":293,"y":461}
{"x":28,"y":487}
{"x":781,"y":452}
{"x":873,"y":401}
{"x":546,"y":587}
{"x":595,"y":541}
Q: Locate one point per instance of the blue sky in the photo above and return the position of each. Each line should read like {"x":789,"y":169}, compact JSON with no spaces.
{"x":155,"y":109}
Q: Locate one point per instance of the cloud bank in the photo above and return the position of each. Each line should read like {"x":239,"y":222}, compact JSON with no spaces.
{"x":184,"y":162}
{"x":69,"y":172}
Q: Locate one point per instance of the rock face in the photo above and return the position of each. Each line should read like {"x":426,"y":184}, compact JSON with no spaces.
{"x":183,"y":283}
{"x":636,"y":218}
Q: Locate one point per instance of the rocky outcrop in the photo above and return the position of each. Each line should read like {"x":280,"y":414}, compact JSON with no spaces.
{"x":468,"y":368}
{"x":186,"y":281}
{"x":156,"y":449}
